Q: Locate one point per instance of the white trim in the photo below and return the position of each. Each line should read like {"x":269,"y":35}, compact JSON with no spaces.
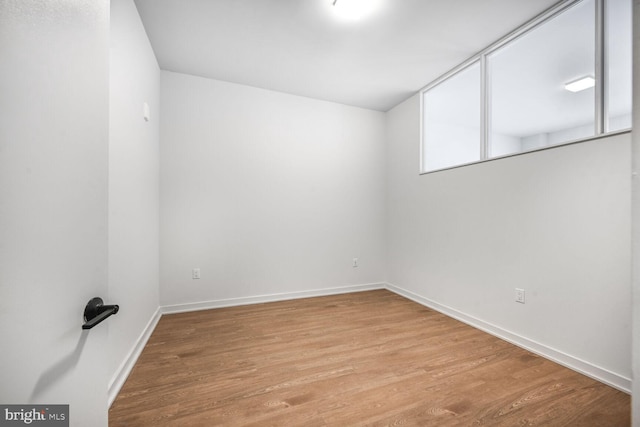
{"x":535,"y":150}
{"x":586,"y":368}
{"x":259,"y":299}
{"x":422,"y":163}
{"x":485,"y":108}
{"x":125,"y":368}
{"x":601,"y":65}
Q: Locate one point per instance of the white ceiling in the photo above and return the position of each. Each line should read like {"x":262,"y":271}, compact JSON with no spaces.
{"x":301,"y":47}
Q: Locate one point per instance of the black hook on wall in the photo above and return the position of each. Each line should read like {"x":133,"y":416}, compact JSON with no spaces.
{"x":95,"y":312}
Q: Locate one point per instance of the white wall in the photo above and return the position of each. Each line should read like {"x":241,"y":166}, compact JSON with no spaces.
{"x":555,"y":223}
{"x":266,"y":193}
{"x":133,"y":186}
{"x":635,"y":401}
{"x":53,"y":203}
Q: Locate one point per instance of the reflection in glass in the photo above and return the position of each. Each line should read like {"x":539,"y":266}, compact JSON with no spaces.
{"x":451,"y":121}
{"x":618,"y":47}
{"x":530,"y":107}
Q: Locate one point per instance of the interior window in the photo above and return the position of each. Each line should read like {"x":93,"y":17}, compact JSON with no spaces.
{"x":531,"y":104}
{"x":618,"y":50}
{"x":564,"y":77}
{"x":451,"y":128}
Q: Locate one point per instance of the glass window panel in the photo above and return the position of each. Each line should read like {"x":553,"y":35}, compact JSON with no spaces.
{"x":451,"y":121}
{"x":618,"y":46}
{"x":530,"y":107}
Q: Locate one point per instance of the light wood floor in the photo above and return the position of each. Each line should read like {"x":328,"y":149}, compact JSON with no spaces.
{"x":368,"y":358}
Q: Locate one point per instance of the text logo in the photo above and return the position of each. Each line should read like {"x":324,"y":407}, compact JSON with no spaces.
{"x":36,"y":415}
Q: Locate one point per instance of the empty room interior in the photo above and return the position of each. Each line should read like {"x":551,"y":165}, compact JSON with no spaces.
{"x":320,"y":212}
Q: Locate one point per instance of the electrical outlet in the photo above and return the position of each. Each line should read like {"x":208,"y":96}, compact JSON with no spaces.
{"x":355,"y":262}
{"x":520,"y":295}
{"x":195,"y":273}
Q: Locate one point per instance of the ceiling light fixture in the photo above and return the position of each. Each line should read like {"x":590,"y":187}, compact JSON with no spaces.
{"x":353,"y":10}
{"x":580,"y":84}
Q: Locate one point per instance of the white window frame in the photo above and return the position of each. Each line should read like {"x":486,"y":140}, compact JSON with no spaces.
{"x":601,"y":107}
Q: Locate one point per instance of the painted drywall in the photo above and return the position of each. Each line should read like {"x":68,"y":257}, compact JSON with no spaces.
{"x":266,"y":193}
{"x":635,"y":396}
{"x":53,"y":203}
{"x":134,"y":156}
{"x":555,"y":223}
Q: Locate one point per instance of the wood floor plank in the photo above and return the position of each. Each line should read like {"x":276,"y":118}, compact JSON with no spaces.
{"x":368,"y":358}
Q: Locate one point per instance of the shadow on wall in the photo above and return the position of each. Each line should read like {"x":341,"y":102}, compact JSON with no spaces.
{"x":52,"y":375}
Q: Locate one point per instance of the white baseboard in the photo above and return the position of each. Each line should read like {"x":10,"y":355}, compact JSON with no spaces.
{"x":600,"y":374}
{"x":231,"y":302}
{"x":130,"y":360}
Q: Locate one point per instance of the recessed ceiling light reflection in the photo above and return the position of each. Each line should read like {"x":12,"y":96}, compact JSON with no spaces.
{"x":581,"y":84}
